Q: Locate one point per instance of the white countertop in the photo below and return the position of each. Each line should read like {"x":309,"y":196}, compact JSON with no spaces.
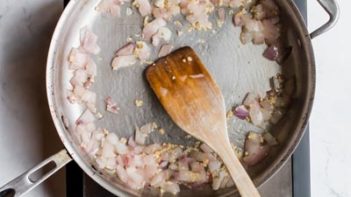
{"x":330,"y":121}
{"x":27,"y":135}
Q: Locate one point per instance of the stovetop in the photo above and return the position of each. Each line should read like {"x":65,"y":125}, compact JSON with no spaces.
{"x":292,"y":180}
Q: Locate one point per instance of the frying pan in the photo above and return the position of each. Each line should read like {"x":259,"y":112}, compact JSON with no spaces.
{"x":237,"y":68}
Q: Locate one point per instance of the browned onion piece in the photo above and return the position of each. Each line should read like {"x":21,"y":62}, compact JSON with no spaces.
{"x":270,"y":7}
{"x":277,"y":52}
{"x":276,"y":116}
{"x":271,"y":53}
{"x":241,"y":112}
{"x":255,"y":150}
{"x":270,"y":139}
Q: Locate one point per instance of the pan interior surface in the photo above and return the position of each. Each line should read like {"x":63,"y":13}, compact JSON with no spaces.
{"x":237,"y":68}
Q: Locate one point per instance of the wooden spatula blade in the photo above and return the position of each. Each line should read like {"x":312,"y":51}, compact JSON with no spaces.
{"x":195,"y":103}
{"x":187,"y":92}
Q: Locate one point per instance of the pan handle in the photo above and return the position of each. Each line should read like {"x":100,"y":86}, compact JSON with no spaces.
{"x":332,"y":8}
{"x":26,"y":182}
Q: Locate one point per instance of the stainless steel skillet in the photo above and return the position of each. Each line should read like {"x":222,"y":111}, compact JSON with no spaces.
{"x":237,"y":68}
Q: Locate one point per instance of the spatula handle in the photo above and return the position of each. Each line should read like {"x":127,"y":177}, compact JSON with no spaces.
{"x":242,"y":180}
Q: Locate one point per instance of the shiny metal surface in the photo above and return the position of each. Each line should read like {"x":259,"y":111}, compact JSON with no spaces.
{"x":237,"y":68}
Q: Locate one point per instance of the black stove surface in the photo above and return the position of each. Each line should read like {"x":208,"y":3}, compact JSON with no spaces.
{"x":80,"y":185}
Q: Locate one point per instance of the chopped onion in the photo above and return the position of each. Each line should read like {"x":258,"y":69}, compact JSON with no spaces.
{"x":135,"y":179}
{"x":110,"y":7}
{"x":107,"y":150}
{"x":131,"y":142}
{"x":175,"y":154}
{"x":250,"y":98}
{"x":142,"y":133}
{"x":187,"y":176}
{"x":224,"y":182}
{"x":205,"y":148}
{"x":120,"y":148}
{"x":170,"y":187}
{"x":221,"y":16}
{"x":268,"y":137}
{"x":151,"y":28}
{"x":111,"y":138}
{"x":240,"y":18}
{"x":183,"y":164}
{"x":77,"y":59}
{"x":136,"y":161}
{"x":229,"y":3}
{"x":259,"y":25}
{"x":270,"y":7}
{"x":163,"y":33}
{"x":152,"y":148}
{"x":88,"y":41}
{"x":255,"y":151}
{"x":142,"y":51}
{"x":165,"y":50}
{"x":123,"y":61}
{"x":241,"y":112}
{"x":213,"y":166}
{"x":143,"y":6}
{"x":276,"y":116}
{"x":166,"y":9}
{"x":203,"y":157}
{"x":89,"y":98}
{"x":256,"y":114}
{"x":80,"y":76}
{"x":86,"y":117}
{"x":158,"y":179}
{"x":271,"y":30}
{"x":271,"y":53}
{"x":217,"y":180}
{"x":126,"y":50}
{"x":197,"y":13}
{"x":111,"y":106}
{"x":122,"y":174}
{"x":258,"y":12}
{"x":90,"y":68}
{"x":197,"y":167}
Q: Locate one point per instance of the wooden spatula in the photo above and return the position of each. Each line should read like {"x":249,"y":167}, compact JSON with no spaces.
{"x":195,"y":103}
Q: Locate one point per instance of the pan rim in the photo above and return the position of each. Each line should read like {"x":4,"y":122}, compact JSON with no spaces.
{"x":262,"y":178}
{"x":291,"y":146}
{"x":50,"y":68}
